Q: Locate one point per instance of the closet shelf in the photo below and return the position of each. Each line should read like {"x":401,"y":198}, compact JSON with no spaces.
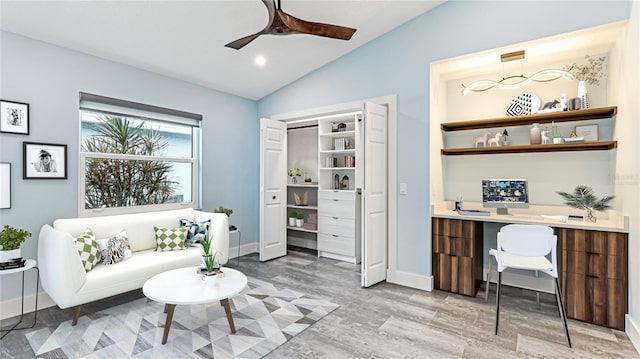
{"x":564,"y":116}
{"x":564,"y":147}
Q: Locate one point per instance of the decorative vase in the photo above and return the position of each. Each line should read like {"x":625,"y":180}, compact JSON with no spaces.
{"x":292,"y":222}
{"x":6,"y":256}
{"x":590,"y":216}
{"x":299,"y":222}
{"x":294,"y":179}
{"x":536,"y":138}
{"x":583,"y":95}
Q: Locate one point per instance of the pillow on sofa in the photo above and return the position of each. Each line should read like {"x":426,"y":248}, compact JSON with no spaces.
{"x":195,"y":230}
{"x":88,"y":250}
{"x":115,"y":248}
{"x":170,"y":239}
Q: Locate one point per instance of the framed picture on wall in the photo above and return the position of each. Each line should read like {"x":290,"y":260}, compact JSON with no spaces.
{"x":5,"y":185}
{"x":44,"y":161}
{"x":14,"y":117}
{"x":589,"y":132}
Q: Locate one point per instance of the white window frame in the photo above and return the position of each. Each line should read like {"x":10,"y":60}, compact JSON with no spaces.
{"x":105,"y":105}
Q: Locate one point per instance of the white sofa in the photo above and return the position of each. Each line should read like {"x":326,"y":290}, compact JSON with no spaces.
{"x":64,"y":278}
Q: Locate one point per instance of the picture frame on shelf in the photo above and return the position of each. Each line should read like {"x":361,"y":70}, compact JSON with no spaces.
{"x":44,"y":161}
{"x":5,"y":185}
{"x":588,"y":132}
{"x":14,"y":117}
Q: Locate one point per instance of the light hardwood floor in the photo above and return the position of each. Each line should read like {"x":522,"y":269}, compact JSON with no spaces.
{"x":390,"y":321}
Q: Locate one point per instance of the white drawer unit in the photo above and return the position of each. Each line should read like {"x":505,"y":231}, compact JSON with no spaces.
{"x":337,"y":204}
{"x":334,"y":244}
{"x":343,"y":227}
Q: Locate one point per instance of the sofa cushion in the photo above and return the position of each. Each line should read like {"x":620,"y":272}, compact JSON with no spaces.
{"x":170,"y":239}
{"x":88,"y":250}
{"x":195,"y":230}
{"x":115,"y":249}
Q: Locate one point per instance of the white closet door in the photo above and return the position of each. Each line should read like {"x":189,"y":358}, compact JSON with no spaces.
{"x":374,"y":195}
{"x":273,"y":189}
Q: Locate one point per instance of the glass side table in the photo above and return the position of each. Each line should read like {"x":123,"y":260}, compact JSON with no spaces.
{"x":232,"y":230}
{"x":29,"y":264}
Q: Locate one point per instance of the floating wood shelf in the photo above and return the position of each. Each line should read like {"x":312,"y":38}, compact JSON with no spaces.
{"x":563,"y":116}
{"x":564,"y":147}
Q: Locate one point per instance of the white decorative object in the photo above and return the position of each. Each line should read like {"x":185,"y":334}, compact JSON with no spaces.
{"x":583,"y":95}
{"x":524,"y":104}
{"x":545,"y":137}
{"x":563,"y":102}
{"x":481,"y":139}
{"x":292,"y":221}
{"x":535,"y":134}
{"x":495,"y":140}
{"x":299,"y":223}
{"x":6,"y":256}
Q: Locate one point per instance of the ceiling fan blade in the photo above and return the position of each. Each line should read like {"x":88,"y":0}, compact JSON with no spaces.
{"x":242,"y":42}
{"x":315,"y":28}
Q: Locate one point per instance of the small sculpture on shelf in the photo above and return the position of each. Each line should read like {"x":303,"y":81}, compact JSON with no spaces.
{"x":545,"y":137}
{"x":495,"y":140}
{"x":505,"y":138}
{"x":344,"y":184}
{"x":481,"y":139}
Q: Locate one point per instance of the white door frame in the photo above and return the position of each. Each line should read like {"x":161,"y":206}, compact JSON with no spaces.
{"x":391,"y":101}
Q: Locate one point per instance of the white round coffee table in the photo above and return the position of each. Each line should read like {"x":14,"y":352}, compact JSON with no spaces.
{"x":187,"y":286}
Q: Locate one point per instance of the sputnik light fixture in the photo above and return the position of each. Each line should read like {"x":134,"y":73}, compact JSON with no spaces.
{"x":540,"y":76}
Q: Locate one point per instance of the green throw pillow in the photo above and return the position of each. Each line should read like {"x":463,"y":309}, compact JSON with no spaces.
{"x":170,"y":239}
{"x":88,"y":250}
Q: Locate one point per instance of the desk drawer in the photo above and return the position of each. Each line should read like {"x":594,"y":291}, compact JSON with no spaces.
{"x":456,"y":228}
{"x":594,"y":265}
{"x":595,"y":300}
{"x":345,"y":246}
{"x":608,"y":243}
{"x":339,"y":226}
{"x":339,"y":195}
{"x":453,"y":245}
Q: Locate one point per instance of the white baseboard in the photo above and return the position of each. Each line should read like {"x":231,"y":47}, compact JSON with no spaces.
{"x":410,"y":280}
{"x":11,"y":308}
{"x":633,"y":332}
{"x":244,"y":250}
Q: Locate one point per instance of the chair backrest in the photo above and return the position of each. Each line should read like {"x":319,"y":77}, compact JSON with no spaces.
{"x":530,"y":241}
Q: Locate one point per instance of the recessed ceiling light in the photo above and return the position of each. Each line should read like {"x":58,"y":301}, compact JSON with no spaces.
{"x":261,"y":60}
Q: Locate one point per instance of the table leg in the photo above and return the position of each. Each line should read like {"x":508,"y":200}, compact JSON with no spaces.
{"x":227,"y":309}
{"x":167,"y":325}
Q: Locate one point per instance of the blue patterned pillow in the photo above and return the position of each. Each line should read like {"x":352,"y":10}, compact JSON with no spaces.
{"x":195,"y":231}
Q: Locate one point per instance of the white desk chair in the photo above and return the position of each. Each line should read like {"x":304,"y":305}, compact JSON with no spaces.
{"x":493,"y":253}
{"x":526,"y":247}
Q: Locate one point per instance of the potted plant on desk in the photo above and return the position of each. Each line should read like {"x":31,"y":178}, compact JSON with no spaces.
{"x":10,"y":241}
{"x":583,"y":198}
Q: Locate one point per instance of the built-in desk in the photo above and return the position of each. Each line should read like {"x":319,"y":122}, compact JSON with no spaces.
{"x":593,"y":262}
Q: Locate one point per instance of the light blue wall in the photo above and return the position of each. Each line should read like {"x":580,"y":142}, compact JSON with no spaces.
{"x":49,"y":78}
{"x":398,"y":63}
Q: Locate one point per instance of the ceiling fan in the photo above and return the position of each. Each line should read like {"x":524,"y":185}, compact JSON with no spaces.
{"x":281,"y":23}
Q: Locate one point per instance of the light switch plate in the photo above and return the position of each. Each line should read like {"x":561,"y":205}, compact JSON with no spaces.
{"x":403,"y":188}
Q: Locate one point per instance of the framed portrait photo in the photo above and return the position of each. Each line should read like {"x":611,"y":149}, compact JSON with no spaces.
{"x":589,"y":132}
{"x":5,"y":185}
{"x":44,"y":161}
{"x":14,"y":117}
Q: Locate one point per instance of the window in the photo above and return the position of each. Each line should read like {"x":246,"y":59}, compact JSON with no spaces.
{"x":136,"y":157}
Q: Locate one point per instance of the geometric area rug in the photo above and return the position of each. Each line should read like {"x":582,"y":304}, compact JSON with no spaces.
{"x":265,"y":317}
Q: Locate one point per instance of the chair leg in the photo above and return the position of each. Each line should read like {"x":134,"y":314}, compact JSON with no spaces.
{"x":537,"y":292}
{"x":563,"y":314}
{"x":486,"y":290}
{"x":498,"y":300}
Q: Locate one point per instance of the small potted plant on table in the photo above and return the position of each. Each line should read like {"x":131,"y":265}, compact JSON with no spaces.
{"x":208,"y":258}
{"x":294,"y":173}
{"x":583,"y":198}
{"x":10,"y":241}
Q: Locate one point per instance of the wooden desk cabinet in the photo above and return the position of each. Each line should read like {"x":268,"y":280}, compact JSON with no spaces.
{"x":457,"y":255}
{"x":593,"y":268}
{"x":593,"y":275}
